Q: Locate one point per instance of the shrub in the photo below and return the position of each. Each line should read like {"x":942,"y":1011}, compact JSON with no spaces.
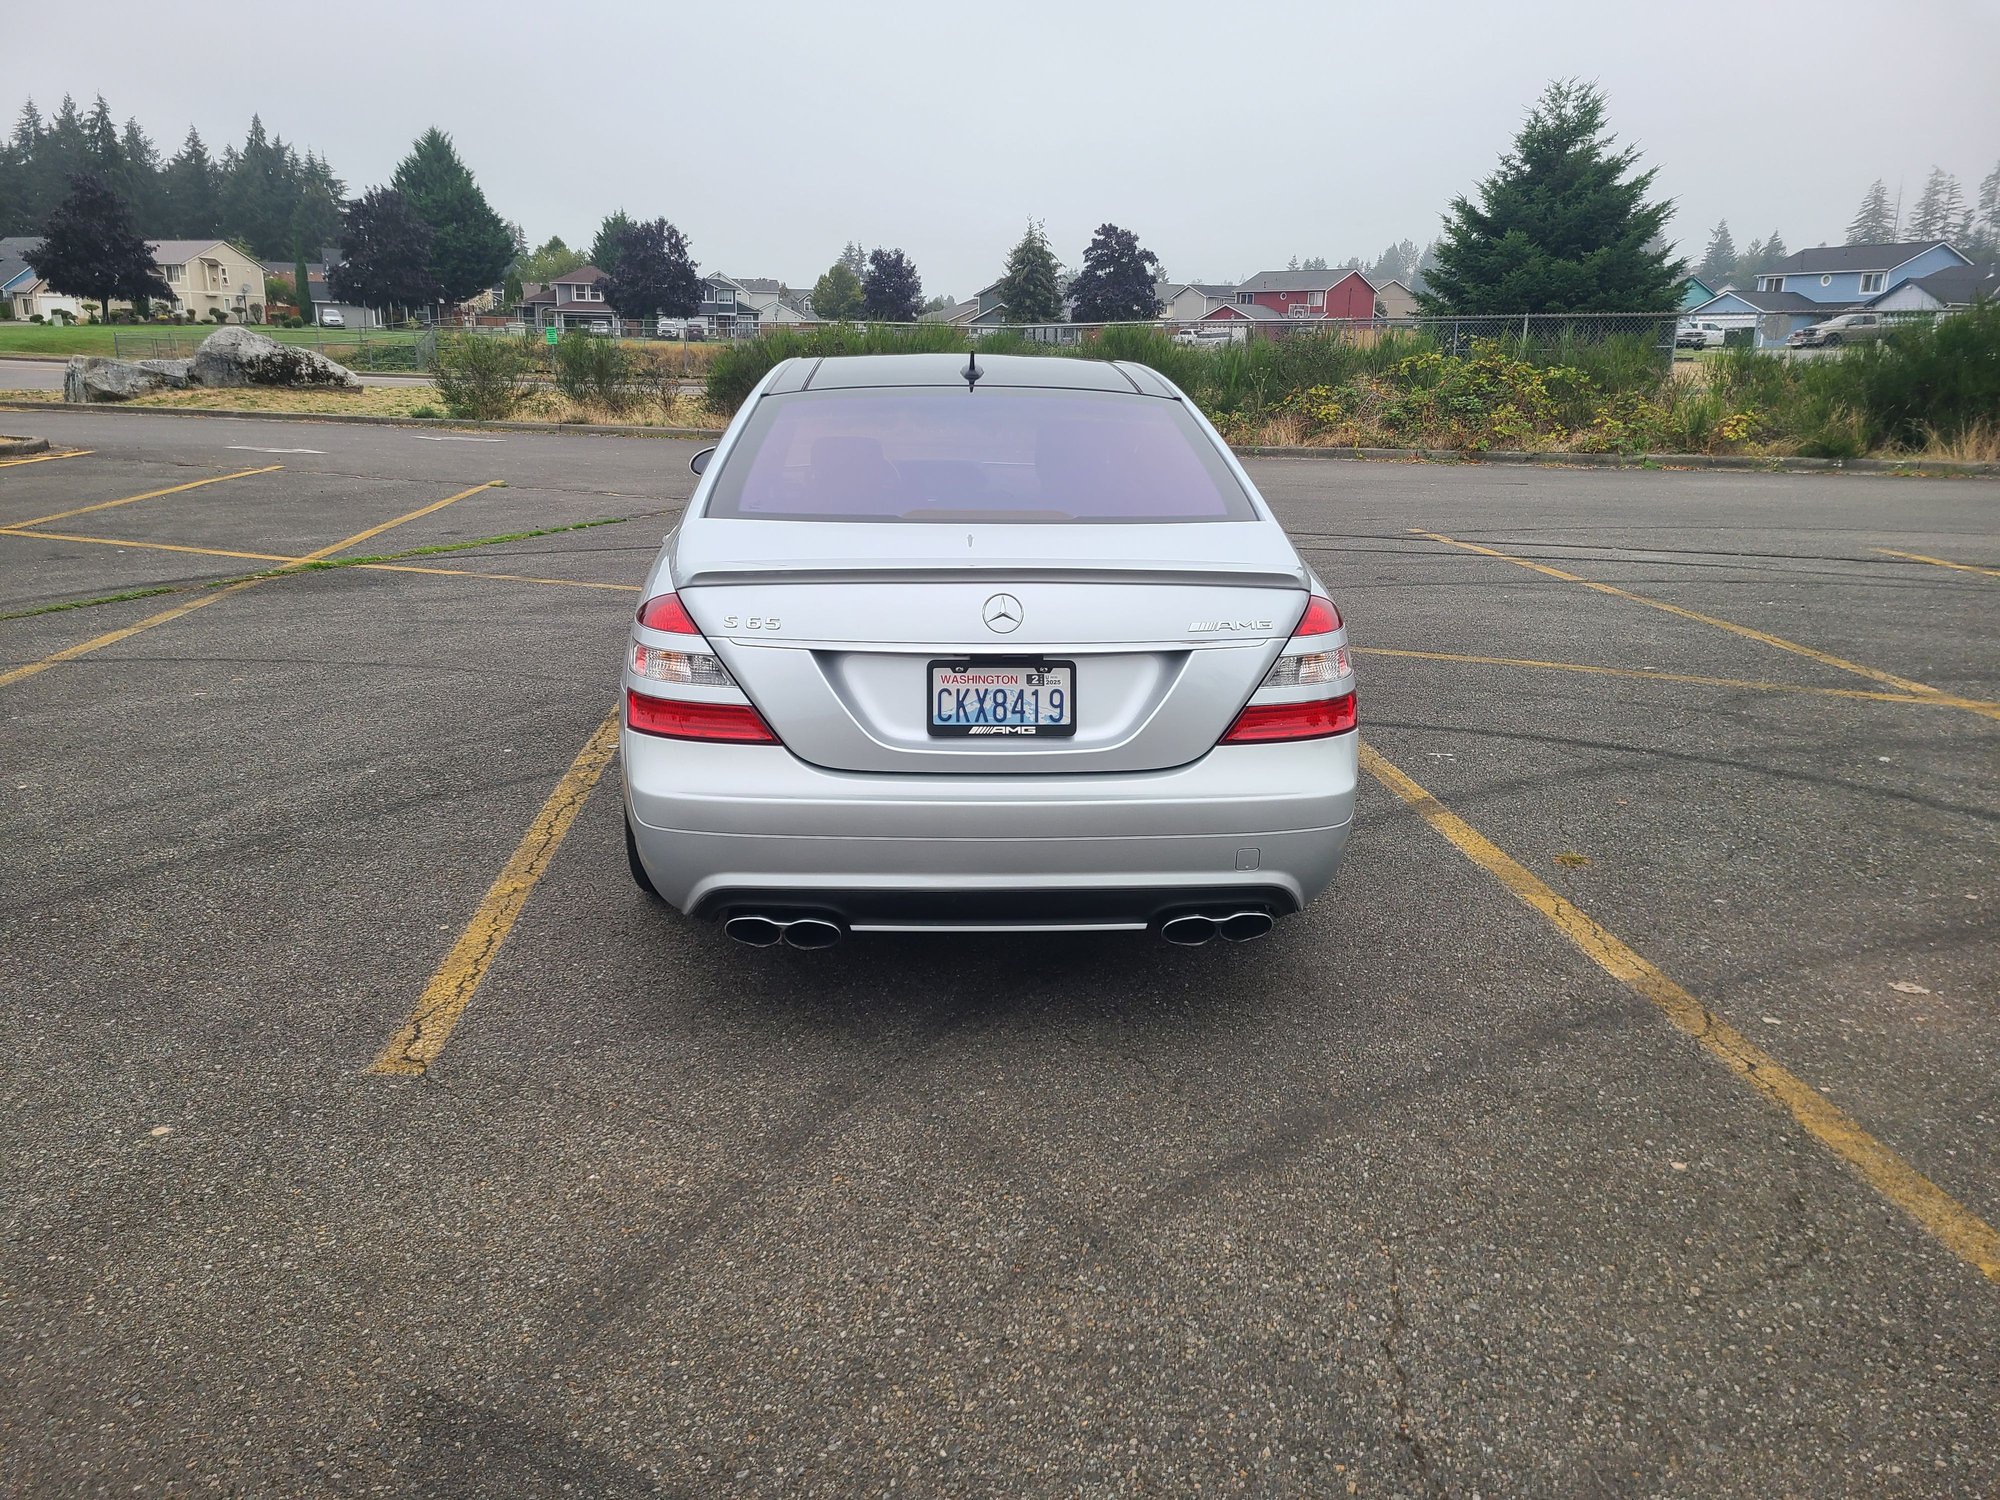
{"x":479,"y":375}
{"x":217,"y":315}
{"x":426,"y":411}
{"x":734,"y":372}
{"x":35,"y":317}
{"x":594,"y":369}
{"x":1929,"y":378}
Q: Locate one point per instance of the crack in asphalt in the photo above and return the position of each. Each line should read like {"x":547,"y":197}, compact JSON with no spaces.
{"x":1399,"y":1397}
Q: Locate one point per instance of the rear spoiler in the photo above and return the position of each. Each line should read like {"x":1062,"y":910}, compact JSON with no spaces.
{"x":996,"y":572}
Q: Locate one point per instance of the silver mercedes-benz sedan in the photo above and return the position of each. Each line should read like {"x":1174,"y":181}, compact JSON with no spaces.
{"x":997,"y":644}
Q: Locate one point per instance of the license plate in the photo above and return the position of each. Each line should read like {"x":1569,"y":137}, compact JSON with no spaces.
{"x":1012,"y":699}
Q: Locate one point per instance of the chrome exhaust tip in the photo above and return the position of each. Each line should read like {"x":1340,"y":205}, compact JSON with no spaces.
{"x":1244,"y":926}
{"x":1190,"y":931}
{"x":812,"y":932}
{"x":755,"y":932}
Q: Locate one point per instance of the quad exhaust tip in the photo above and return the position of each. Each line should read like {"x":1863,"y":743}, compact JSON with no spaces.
{"x":1195,"y":928}
{"x":799,"y":932}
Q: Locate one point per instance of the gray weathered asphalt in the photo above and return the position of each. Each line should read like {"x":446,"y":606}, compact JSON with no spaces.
{"x":1412,"y":1198}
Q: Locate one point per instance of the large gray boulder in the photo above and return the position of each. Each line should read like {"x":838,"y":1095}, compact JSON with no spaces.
{"x":236,"y":356}
{"x":89,"y":378}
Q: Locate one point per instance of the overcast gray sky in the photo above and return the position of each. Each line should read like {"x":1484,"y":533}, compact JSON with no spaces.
{"x":1231,"y":136}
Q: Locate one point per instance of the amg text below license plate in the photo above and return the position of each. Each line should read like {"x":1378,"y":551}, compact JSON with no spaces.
{"x":1002,"y":699}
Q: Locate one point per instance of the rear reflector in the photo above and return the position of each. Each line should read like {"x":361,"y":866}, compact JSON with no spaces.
{"x":1263,"y":722}
{"x":666,"y":612}
{"x":678,"y":719}
{"x":1320,"y":618}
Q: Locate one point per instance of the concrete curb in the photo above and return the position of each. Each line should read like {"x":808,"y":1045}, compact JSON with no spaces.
{"x":1727,"y":461}
{"x":1914,"y":468}
{"x":12,"y":446}
{"x":368,"y":419}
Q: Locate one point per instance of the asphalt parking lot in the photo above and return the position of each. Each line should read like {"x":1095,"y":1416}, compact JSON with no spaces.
{"x":1624,"y":1122}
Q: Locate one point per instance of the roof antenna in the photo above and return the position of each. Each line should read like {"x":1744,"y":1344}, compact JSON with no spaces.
{"x":971,"y":373}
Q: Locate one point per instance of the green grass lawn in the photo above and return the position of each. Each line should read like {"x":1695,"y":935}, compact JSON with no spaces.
{"x":60,"y":343}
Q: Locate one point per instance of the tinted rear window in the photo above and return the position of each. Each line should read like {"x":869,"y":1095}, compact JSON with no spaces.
{"x":949,"y":455}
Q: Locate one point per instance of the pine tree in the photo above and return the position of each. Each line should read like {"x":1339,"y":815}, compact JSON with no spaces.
{"x":1119,"y":280}
{"x":302,"y":282}
{"x":855,"y":259}
{"x":190,"y":186}
{"x":1562,"y":226}
{"x":604,"y":248}
{"x":1985,"y":236}
{"x":142,"y":187}
{"x":1874,"y":221}
{"x":470,"y":245}
{"x":1718,"y":263}
{"x":1940,"y":209}
{"x":1030,"y":287}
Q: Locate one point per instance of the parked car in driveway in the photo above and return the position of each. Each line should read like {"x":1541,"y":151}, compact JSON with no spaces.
{"x":1699,"y":333}
{"x":1021,"y":653}
{"x":1848,"y":328}
{"x":330,"y":318}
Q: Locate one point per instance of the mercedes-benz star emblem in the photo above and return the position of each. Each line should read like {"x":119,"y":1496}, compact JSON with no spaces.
{"x":1002,"y":614}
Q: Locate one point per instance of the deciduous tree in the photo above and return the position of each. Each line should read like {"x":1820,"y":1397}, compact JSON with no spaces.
{"x":655,"y":276}
{"x":1564,"y":225}
{"x":91,"y":249}
{"x":891,"y":291}
{"x":385,"y":254}
{"x":836,"y":296}
{"x":1118,"y":282}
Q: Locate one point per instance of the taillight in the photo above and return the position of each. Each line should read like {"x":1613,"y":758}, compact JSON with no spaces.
{"x":1320,"y":618}
{"x":684,"y":719}
{"x":1263,"y":722}
{"x":666,"y":612}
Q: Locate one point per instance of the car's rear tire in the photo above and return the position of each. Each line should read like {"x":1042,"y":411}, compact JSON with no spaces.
{"x":639,"y":876}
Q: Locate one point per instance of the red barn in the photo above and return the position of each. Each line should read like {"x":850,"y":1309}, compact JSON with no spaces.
{"x":1310,"y":294}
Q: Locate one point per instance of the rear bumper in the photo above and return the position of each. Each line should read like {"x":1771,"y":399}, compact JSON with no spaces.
{"x":723,"y":829}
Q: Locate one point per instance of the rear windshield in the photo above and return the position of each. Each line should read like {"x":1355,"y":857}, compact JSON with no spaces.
{"x":951,"y":455}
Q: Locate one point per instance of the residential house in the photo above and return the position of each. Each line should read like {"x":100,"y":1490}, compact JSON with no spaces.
{"x":1943,"y":291}
{"x":25,"y":292}
{"x":1337,"y":293}
{"x":211,"y":276}
{"x":1811,"y":285}
{"x":1694,"y":291}
{"x":574,"y":299}
{"x":1191,"y":301}
{"x":726,"y":310}
{"x":773,"y":302}
{"x":984,"y":310}
{"x":320,"y":297}
{"x":1393,"y":300}
{"x":1246,"y":312}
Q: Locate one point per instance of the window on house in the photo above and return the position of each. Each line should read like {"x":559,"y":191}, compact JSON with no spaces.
{"x":1317,"y":299}
{"x":1246,"y":298}
{"x":1871,"y":281}
{"x":1770,"y":283}
{"x":1826,"y":281}
{"x":225,"y":276}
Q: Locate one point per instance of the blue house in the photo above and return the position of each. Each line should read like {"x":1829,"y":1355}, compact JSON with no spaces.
{"x":1802,"y":289}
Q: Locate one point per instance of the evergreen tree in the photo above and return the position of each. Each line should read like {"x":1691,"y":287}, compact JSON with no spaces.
{"x":258,"y":192}
{"x":91,"y":249}
{"x":316,"y":207}
{"x":836,"y":296}
{"x":1940,"y":211}
{"x":655,"y":276}
{"x":891,"y":291}
{"x":142,"y":187}
{"x":1874,"y":222}
{"x":1030,"y":287}
{"x":1985,"y":236}
{"x":604,"y":249}
{"x":385,"y":254}
{"x":1562,"y":226}
{"x":1119,"y":279}
{"x":1718,"y":263}
{"x":190,"y":185}
{"x":302,"y":282}
{"x":470,"y":245}
{"x":855,"y":259}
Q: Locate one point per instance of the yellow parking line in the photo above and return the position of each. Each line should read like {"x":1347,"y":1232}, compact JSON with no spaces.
{"x":1960,"y":1230}
{"x":1825,"y":658}
{"x":412,"y":1050}
{"x":172,"y":489}
{"x":45,"y":458}
{"x":1939,"y":562}
{"x":112,"y":638}
{"x":1649,"y":674}
{"x":112,"y":541}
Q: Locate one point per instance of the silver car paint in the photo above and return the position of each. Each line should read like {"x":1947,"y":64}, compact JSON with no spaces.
{"x":848,"y":615}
